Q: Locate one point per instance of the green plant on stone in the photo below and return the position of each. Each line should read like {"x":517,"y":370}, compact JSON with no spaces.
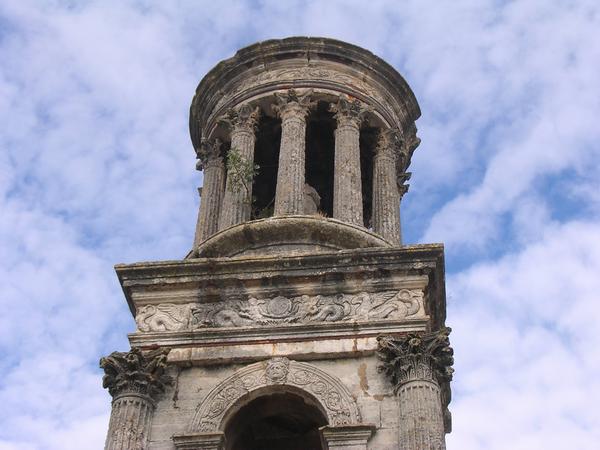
{"x":240,"y":172}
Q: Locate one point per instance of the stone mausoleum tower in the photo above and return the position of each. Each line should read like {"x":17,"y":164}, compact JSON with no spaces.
{"x":299,"y":319}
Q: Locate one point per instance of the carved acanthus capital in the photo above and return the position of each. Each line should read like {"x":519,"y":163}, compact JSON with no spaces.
{"x":242,"y":118}
{"x":134,"y":372}
{"x":293,"y":103}
{"x":389,"y":143}
{"x":209,"y":154}
{"x":417,"y":357}
{"x":349,"y":111}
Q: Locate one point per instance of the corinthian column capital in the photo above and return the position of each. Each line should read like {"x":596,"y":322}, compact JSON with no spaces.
{"x":209,"y":154}
{"x":293,"y":104}
{"x":135,"y":373}
{"x":349,"y":112}
{"x":417,"y":357}
{"x":243,"y":118}
{"x":389,"y":143}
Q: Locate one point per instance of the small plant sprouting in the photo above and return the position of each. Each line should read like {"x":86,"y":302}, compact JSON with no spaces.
{"x":240,"y":172}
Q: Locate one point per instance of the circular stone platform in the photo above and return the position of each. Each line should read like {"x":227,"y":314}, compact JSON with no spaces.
{"x":287,"y":235}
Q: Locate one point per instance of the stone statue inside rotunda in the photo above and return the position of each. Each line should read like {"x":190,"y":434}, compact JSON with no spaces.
{"x":299,"y":319}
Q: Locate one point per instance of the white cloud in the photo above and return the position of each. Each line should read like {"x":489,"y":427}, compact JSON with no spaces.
{"x":542,"y":60}
{"x":525,"y":343}
{"x":96,"y":168}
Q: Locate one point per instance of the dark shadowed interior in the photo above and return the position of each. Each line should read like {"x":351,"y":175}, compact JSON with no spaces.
{"x":278,"y":421}
{"x":320,"y":145}
{"x":266,"y":156}
{"x":320,"y":151}
{"x":368,"y":140}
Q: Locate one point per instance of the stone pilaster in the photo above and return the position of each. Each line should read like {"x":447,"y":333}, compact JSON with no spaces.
{"x":386,"y":196}
{"x":347,"y":183}
{"x":419,"y":366}
{"x":135,"y":381}
{"x":293,"y":109}
{"x":211,"y":162}
{"x":237,"y":199}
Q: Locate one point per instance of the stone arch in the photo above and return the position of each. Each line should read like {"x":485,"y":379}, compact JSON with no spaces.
{"x":333,"y":397}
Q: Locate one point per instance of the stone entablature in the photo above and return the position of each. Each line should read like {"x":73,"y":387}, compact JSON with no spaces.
{"x":201,"y":306}
{"x":348,"y":272}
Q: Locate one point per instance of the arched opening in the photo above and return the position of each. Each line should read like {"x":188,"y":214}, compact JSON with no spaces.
{"x":275,"y":420}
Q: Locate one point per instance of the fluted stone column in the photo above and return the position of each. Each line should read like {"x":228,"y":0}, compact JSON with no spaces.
{"x":347,"y":183}
{"x":211,"y":162}
{"x":237,"y":200}
{"x":420,"y":368}
{"x":135,"y":381}
{"x":386,"y":195}
{"x":289,"y":193}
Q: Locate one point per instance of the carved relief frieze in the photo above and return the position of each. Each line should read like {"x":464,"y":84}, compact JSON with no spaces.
{"x":333,"y":396}
{"x":280,"y":310}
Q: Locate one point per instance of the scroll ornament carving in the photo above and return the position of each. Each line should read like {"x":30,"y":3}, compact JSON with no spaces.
{"x":339,"y":405}
{"x":279,"y":310}
{"x":209,"y":153}
{"x":417,"y":357}
{"x":136,"y":373}
{"x":164,"y":317}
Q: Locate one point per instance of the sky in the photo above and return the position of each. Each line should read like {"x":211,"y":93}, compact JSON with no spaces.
{"x":97,"y":168}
